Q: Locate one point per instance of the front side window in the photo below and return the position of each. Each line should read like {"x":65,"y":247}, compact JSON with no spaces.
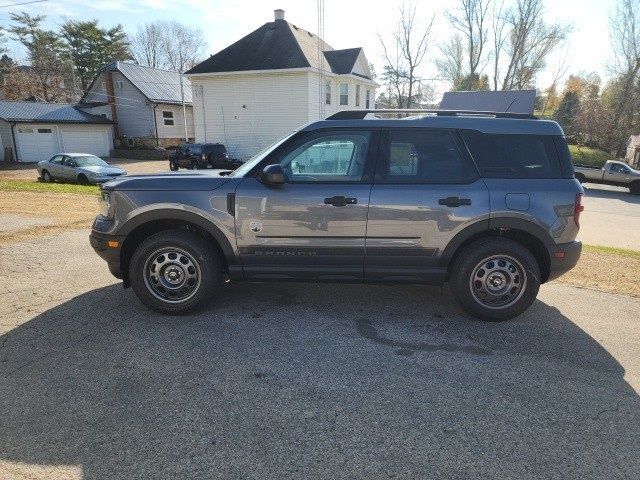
{"x":418,"y":155}
{"x":617,"y":168}
{"x":344,"y":94}
{"x":167,"y":117}
{"x":328,"y":157}
{"x":513,"y":156}
{"x":357,"y":95}
{"x":327,"y":93}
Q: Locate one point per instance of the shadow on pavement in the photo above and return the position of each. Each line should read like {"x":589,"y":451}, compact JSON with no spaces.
{"x":308,"y":381}
{"x":593,"y":190}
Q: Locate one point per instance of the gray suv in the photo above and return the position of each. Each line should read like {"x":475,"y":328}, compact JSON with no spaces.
{"x":487,"y":202}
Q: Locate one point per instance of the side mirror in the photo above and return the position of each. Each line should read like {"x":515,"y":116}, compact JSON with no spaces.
{"x":272,"y":175}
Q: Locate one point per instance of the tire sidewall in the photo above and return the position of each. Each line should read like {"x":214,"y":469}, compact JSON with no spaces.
{"x":173,"y":166}
{"x":464,"y":266}
{"x":46,"y":177}
{"x":208,"y":264}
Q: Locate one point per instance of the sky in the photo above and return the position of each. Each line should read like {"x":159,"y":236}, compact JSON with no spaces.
{"x":348,"y":23}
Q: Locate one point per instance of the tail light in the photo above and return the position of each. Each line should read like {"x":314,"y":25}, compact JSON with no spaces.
{"x":578,"y":208}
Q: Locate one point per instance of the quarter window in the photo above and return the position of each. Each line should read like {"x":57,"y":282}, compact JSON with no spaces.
{"x":167,"y":117}
{"x":420,"y":155}
{"x":513,"y":156}
{"x":344,"y":94}
{"x":327,"y":93}
{"x":334,"y":157}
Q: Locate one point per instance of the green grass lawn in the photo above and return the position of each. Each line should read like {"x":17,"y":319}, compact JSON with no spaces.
{"x":589,"y":156}
{"x":41,"y":187}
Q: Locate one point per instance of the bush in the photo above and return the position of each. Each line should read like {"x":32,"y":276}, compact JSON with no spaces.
{"x":589,"y":156}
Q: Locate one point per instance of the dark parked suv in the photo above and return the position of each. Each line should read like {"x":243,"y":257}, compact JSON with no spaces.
{"x":202,"y":155}
{"x":486,"y":202}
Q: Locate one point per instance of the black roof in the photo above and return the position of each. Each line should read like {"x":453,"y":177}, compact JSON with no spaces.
{"x":278,"y":45}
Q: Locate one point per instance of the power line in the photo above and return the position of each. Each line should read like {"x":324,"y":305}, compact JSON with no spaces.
{"x":23,"y":3}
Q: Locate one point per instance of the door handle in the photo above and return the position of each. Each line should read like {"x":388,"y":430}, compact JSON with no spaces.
{"x":340,"y":201}
{"x":454,"y":201}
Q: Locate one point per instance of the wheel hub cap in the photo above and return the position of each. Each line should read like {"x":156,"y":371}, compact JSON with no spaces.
{"x":498,"y":281}
{"x":172,"y":275}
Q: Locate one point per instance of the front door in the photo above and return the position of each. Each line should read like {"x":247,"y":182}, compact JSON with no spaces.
{"x":426,"y":190}
{"x":313,"y":227}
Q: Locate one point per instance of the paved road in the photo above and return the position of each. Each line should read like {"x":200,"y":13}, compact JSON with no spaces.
{"x":611,"y":217}
{"x":307,"y":381}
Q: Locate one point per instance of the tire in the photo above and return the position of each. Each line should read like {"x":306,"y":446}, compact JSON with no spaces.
{"x":46,"y":177}
{"x":485,"y":273}
{"x":83,"y":180}
{"x":634,"y":188}
{"x":173,"y":166}
{"x":166,"y":253}
{"x":194,"y":165}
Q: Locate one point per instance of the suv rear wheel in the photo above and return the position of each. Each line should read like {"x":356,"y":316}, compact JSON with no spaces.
{"x":173,"y":166}
{"x":175,"y":272}
{"x":495,"y":278}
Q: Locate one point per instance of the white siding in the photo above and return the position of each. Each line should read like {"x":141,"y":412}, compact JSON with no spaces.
{"x":335,"y":106}
{"x":249,"y":112}
{"x":177,"y":129}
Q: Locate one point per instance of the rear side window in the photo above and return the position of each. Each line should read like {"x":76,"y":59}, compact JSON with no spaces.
{"x":513,"y":156}
{"x":421,"y":155}
{"x":218,"y":149}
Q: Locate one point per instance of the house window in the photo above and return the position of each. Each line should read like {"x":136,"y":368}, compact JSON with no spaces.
{"x":327,"y":93}
{"x":119,"y":84}
{"x":344,"y":94}
{"x":45,"y":130}
{"x":167,"y":117}
{"x":357,"y":95}
{"x":367,"y":97}
{"x":25,"y":130}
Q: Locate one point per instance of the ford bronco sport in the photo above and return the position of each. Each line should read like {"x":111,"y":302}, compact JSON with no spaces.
{"x":487,"y":202}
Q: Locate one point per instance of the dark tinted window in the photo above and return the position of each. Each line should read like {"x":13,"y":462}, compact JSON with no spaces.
{"x":513,"y":156}
{"x":420,"y":155}
{"x":215,"y":149}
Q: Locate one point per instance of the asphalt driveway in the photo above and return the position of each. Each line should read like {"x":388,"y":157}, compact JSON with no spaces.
{"x":306,"y":381}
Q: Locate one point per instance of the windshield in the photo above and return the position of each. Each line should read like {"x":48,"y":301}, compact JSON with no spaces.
{"x":242,"y":170}
{"x":90,"y":161}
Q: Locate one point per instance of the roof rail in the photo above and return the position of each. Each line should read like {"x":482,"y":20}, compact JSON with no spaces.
{"x":361,"y":114}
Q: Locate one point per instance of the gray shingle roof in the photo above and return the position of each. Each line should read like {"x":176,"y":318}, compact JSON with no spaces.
{"x":278,"y":45}
{"x":161,"y":86}
{"x":46,"y":113}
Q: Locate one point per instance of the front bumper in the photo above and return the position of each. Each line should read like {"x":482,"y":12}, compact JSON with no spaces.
{"x":563,"y":257}
{"x":108,"y":247}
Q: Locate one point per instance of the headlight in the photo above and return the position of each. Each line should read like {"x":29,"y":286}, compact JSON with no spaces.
{"x":105,"y":204}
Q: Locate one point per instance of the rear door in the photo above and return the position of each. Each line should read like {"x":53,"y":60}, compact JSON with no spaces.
{"x":426,"y":190}
{"x":313,"y":227}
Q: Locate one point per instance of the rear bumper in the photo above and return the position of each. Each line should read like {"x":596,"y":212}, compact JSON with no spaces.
{"x":563,"y":257}
{"x":108,"y":252}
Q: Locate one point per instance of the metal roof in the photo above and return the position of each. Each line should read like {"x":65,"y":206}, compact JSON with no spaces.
{"x":512,"y":101}
{"x":40,"y":112}
{"x":159,"y":86}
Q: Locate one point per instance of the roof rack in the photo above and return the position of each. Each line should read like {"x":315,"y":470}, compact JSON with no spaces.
{"x":361,"y":114}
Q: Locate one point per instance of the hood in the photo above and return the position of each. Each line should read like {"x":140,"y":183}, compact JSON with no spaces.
{"x":108,"y":170}
{"x":174,"y":181}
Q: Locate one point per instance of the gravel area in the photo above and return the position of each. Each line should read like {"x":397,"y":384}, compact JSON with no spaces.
{"x":306,"y":381}
{"x":12,"y":223}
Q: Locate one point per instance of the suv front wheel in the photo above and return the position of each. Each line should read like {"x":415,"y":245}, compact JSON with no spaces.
{"x":175,"y":272}
{"x":495,"y":278}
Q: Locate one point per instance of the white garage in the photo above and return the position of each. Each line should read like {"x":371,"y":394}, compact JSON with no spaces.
{"x":36,"y":131}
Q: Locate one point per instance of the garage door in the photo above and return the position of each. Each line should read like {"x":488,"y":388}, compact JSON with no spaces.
{"x":94,"y":141}
{"x":36,"y":143}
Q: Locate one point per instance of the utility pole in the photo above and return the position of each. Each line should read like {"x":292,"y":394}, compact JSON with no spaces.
{"x":184,"y":110}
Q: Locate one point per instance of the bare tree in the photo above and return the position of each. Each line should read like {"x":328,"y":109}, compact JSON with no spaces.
{"x":168,"y":44}
{"x":403,"y":61}
{"x":499,"y":37}
{"x":559,"y":71}
{"x":147,"y":45}
{"x":450,"y":65}
{"x":530,"y":41}
{"x":625,"y":37}
{"x":470,"y":20}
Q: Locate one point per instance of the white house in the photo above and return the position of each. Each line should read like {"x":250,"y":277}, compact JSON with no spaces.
{"x":34,"y":131}
{"x":145,"y":104}
{"x":271,"y":82}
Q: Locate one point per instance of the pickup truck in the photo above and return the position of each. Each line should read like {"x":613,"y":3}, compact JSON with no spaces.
{"x":613,"y":173}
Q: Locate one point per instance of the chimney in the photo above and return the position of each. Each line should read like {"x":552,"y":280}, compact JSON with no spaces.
{"x":278,"y":14}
